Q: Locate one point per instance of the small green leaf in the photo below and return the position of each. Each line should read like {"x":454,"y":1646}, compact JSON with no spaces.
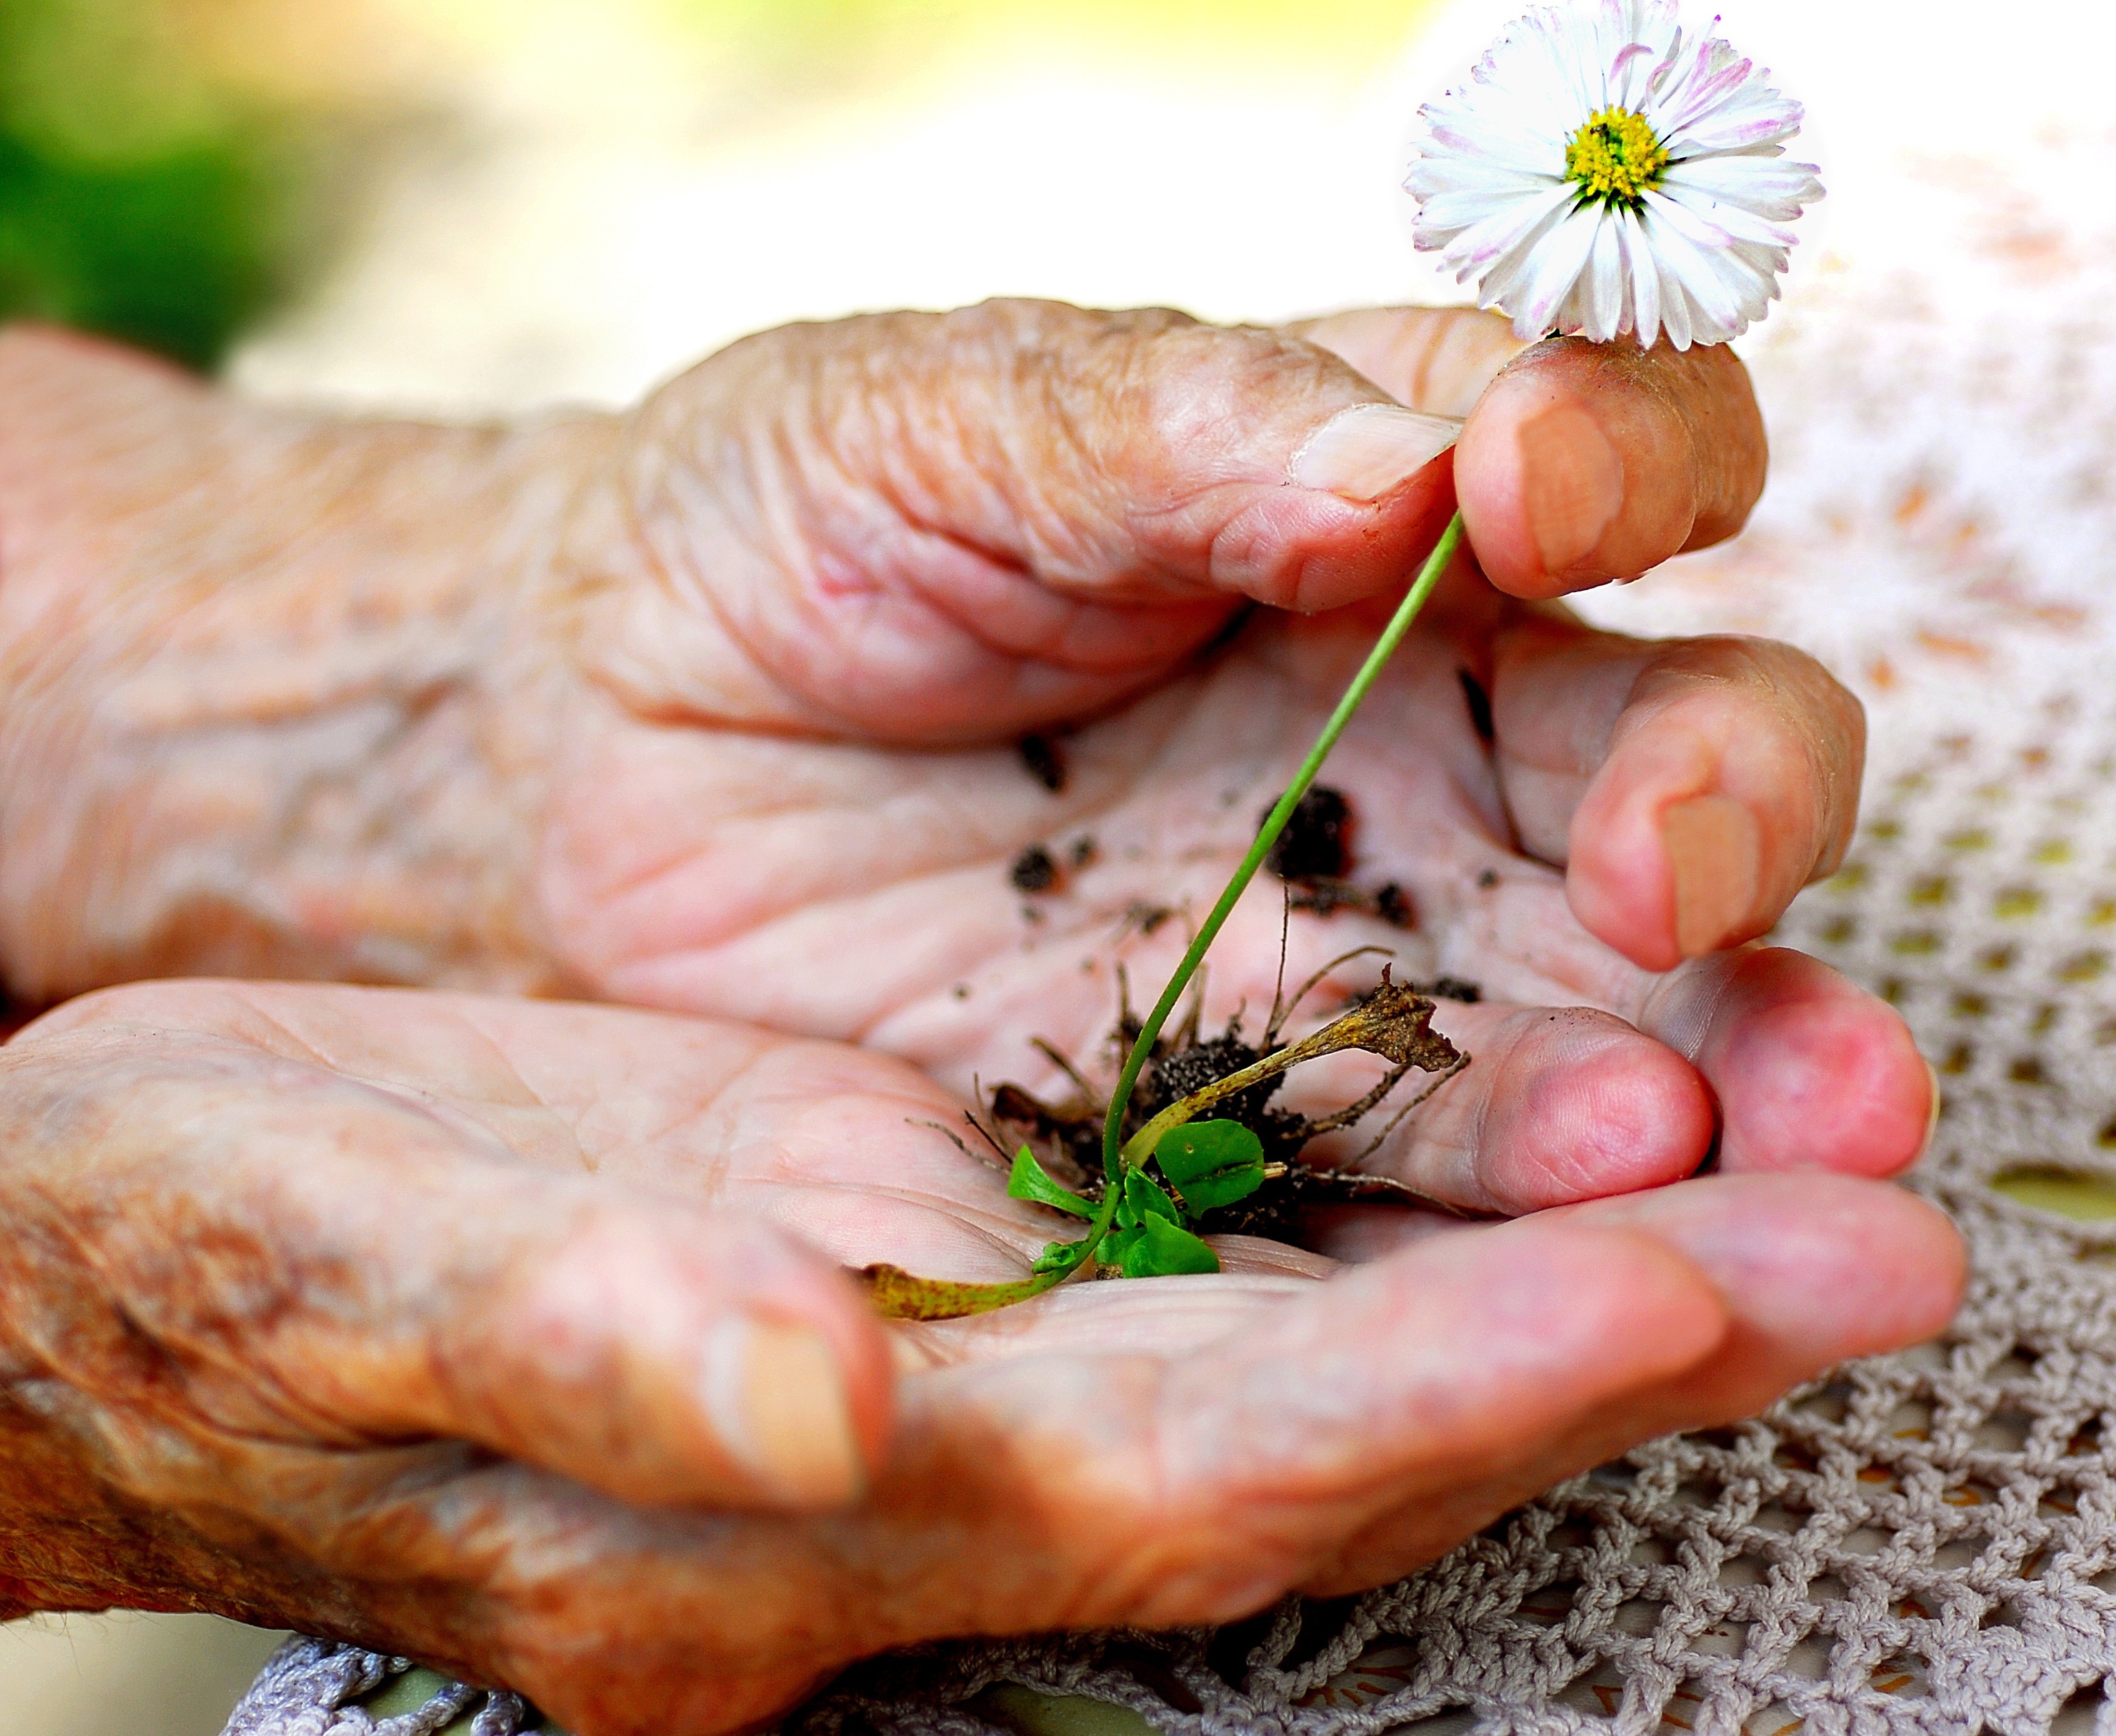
{"x":1061,"y":1256}
{"x":1030,"y":1181}
{"x":1145,"y":1198}
{"x":1160,"y":1249}
{"x":1202,"y":1148}
{"x":1116,"y":1247}
{"x":1209,"y":1193}
{"x":1212,"y":1163}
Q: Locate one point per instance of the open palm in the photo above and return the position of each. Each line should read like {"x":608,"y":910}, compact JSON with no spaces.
{"x":432,"y":1364}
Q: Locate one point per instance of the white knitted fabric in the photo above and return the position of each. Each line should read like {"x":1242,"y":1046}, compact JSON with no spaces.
{"x":1922,"y":1542}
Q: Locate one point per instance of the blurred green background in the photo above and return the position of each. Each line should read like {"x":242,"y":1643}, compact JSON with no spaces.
{"x":174,"y":172}
{"x":139,"y":197}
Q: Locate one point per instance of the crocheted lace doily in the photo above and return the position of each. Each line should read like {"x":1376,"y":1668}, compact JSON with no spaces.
{"x":1925,"y":1542}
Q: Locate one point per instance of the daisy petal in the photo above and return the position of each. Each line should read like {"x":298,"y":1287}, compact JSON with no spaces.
{"x":1548,"y":274}
{"x":1643,"y":279}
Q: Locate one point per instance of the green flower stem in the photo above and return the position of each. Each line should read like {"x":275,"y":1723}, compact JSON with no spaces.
{"x":1385,"y":648}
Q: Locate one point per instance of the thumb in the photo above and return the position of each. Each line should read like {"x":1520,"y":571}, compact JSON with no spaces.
{"x":943,"y":524}
{"x":199,"y":1227}
{"x":668,"y":1356}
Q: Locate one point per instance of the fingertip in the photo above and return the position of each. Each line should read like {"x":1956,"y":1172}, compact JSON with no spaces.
{"x":1730,"y":782}
{"x":1370,"y":450}
{"x":1819,"y":1268}
{"x":1931,"y":1276}
{"x":1598,"y":1109}
{"x":1512,"y":1329}
{"x":1623,"y":880}
{"x":1811,"y":1072}
{"x":679,"y":1360}
{"x":792,"y":1411}
{"x":797,"y":1376}
{"x":1585,"y":463}
{"x":867,"y":1357}
{"x":1831,"y":1079}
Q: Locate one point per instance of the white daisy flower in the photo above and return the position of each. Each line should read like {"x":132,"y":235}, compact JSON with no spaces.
{"x":1599,"y":175}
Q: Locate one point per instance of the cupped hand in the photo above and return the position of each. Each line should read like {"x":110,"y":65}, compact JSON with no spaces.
{"x":474,"y":1330}
{"x":714,"y":708}
{"x":856,"y":546}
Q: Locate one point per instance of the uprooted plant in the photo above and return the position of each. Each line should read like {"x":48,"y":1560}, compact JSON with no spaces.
{"x":1175,"y":1167}
{"x":1177,"y":1173}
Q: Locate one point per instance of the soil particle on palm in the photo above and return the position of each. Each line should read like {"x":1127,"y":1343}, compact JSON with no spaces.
{"x":1317,"y":842}
{"x":1082,"y":851}
{"x":1453,"y":989}
{"x":1045,"y":760}
{"x":1392,"y":903}
{"x":1147,"y":917}
{"x":1479,"y":702}
{"x":1314,"y":856}
{"x":1034,"y":871}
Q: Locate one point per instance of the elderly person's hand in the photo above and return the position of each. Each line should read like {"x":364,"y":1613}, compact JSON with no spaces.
{"x":713,"y":707}
{"x":481,"y":1329}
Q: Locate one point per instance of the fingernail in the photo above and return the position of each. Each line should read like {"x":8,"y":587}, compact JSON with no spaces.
{"x":777,"y":1395}
{"x":1572,"y":484}
{"x":1932,"y":1120}
{"x":1363,"y":453}
{"x":1717,"y":855}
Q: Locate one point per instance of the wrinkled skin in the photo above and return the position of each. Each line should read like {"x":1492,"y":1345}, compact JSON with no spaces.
{"x":275,"y":1253}
{"x":379,"y":1314}
{"x":711,"y":707}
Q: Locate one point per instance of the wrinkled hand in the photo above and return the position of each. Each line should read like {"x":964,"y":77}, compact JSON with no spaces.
{"x":921,"y":528}
{"x":712,"y":708}
{"x":451,"y":1325}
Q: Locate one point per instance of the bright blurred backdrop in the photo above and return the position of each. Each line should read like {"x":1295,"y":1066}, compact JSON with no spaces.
{"x":468,"y":206}
{"x":466,"y":203}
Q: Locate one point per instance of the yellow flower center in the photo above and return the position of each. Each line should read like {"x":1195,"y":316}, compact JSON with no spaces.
{"x":1614,"y":158}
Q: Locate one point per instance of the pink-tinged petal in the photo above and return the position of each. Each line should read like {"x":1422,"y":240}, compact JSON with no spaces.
{"x":1643,"y":278}
{"x":1753,"y":118}
{"x":1752,"y":128}
{"x":1674,"y":302}
{"x":1553,"y":271}
{"x":1769,"y":188}
{"x":1491,"y":245}
{"x":1519,"y":153}
{"x":1604,"y":282}
{"x":1732,"y":220}
{"x":1449,"y":214}
{"x":1715,"y":303}
{"x":1620,"y":68}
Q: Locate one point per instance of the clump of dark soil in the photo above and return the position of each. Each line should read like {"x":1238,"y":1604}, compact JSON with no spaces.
{"x":1042,"y":868}
{"x":1034,"y":871}
{"x":1044,"y":759}
{"x":1479,"y":702}
{"x":1067,"y":1136}
{"x":1314,"y":856}
{"x":1317,"y":842}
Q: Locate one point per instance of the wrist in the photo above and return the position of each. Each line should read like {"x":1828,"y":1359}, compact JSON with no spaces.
{"x":262,"y":682}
